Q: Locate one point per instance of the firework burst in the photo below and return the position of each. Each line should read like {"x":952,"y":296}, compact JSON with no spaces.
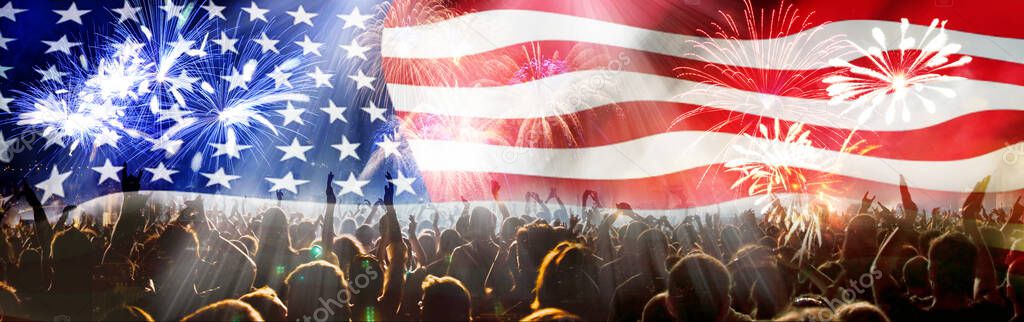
{"x":783,"y":38}
{"x":902,"y":76}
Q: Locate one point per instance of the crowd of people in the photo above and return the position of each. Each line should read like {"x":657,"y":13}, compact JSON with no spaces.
{"x":187,"y":262}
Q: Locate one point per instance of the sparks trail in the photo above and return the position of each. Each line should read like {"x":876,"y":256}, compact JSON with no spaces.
{"x":902,"y":75}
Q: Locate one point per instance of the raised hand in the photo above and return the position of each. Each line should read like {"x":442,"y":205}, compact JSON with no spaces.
{"x":972,"y":205}
{"x":574,"y":220}
{"x":865,"y":202}
{"x":329,"y":194}
{"x":552,"y":194}
{"x":129,"y":182}
{"x":30,"y":196}
{"x":280,"y":196}
{"x":389,"y":190}
{"x":412,"y":226}
{"x":909,"y":207}
{"x":1018,"y":211}
{"x":495,"y":188}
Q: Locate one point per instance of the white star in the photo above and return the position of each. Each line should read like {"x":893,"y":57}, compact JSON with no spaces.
{"x":171,"y":10}
{"x":53,"y":185}
{"x":4,"y":41}
{"x":309,"y":46}
{"x":3,"y":71}
{"x":389,"y":147}
{"x":61,"y":45}
{"x":107,"y":171}
{"x":214,"y":11}
{"x":166,"y":143}
{"x":230,"y":147}
{"x":280,"y":78}
{"x":236,"y":80}
{"x":347,"y":149}
{"x":255,"y":12}
{"x":71,"y":14}
{"x":5,"y":103}
{"x":376,"y":113}
{"x":127,"y":12}
{"x":335,"y":112}
{"x":301,"y":16}
{"x":362,"y":80}
{"x":267,"y":44}
{"x":355,"y":19}
{"x":355,"y":50}
{"x":161,"y":173}
{"x":174,"y":113}
{"x":287,"y":182}
{"x":51,"y":74}
{"x":8,"y":11}
{"x":226,"y":43}
{"x":291,"y":114}
{"x":321,"y":78}
{"x":5,"y":144}
{"x":295,"y":150}
{"x":219,"y":178}
{"x":351,"y":185}
{"x":106,"y":137}
{"x":403,"y":184}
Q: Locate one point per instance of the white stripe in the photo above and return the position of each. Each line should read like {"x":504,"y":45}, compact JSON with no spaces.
{"x":480,"y":32}
{"x":225,"y":203}
{"x":582,"y":90}
{"x":672,"y":152}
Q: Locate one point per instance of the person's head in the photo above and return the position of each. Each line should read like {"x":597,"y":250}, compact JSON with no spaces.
{"x":274,"y":233}
{"x":224,"y":310}
{"x":860,"y":242}
{"x":551,"y":314}
{"x":915,"y":276}
{"x":314,"y":283}
{"x":177,"y":249}
{"x":566,"y":280}
{"x":348,"y":226}
{"x":860,"y":312}
{"x":366,"y":235}
{"x":951,"y":265}
{"x":731,"y":240}
{"x":265,"y":301}
{"x":345,"y":249}
{"x":73,"y":257}
{"x":481,"y":224}
{"x":250,"y":243}
{"x":698,"y":289}
{"x":429,"y":244}
{"x":509,"y":229}
{"x":127,"y":313}
{"x":652,"y":250}
{"x":366,"y":275}
{"x":444,"y":299}
{"x":533,"y":242}
{"x":656,"y":309}
{"x":450,"y":239}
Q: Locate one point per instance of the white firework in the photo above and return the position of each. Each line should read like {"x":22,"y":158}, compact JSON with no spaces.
{"x":897,"y":78}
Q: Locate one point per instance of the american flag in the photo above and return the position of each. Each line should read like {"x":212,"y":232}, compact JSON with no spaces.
{"x":664,"y":104}
{"x":243,"y":98}
{"x":661,"y":103}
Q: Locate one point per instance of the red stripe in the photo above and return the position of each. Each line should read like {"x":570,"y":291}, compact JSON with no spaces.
{"x":994,"y":17}
{"x":499,"y":67}
{"x":961,"y":138}
{"x":689,"y":188}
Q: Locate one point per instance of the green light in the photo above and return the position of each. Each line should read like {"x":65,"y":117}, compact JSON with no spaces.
{"x":279,"y":269}
{"x":316,"y":252}
{"x":369,"y":316}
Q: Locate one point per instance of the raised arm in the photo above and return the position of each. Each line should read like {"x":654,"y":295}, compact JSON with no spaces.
{"x":1014,"y":222}
{"x":44,"y":233}
{"x":130,"y":222}
{"x":984,"y":265}
{"x":495,"y":191}
{"x":394,"y":248}
{"x":327,"y":228}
